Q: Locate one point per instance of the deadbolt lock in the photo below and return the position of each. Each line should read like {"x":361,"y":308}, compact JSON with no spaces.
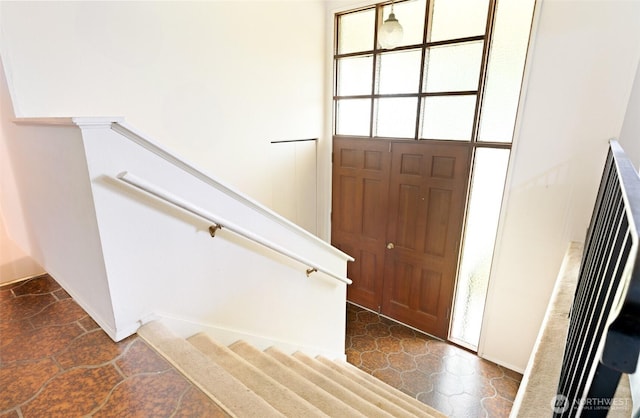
{"x":390,"y":246}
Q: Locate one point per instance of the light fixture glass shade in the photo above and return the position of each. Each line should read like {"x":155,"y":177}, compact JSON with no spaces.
{"x":390,"y":33}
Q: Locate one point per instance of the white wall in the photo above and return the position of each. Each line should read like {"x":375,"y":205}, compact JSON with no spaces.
{"x":162,"y":261}
{"x":294,"y":190}
{"x":49,"y":214}
{"x":215,"y":81}
{"x":580,"y":73}
{"x":630,"y":135}
{"x":15,"y":264}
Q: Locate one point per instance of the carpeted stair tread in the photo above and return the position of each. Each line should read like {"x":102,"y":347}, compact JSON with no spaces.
{"x":392,"y":394}
{"x":323,"y":400}
{"x":351,"y":385}
{"x":357,"y":402}
{"x":280,"y":397}
{"x":233,"y":396}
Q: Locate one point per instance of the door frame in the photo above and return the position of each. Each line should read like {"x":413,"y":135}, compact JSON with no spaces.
{"x":369,"y":245}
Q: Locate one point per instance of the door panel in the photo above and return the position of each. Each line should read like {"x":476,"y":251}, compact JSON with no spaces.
{"x":427,"y":192}
{"x":360,"y":187}
{"x":410,"y":194}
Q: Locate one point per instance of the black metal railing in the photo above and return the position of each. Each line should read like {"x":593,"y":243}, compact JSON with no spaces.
{"x":603,"y":340}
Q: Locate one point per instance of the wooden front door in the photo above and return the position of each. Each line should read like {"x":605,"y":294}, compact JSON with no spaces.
{"x":398,"y":208}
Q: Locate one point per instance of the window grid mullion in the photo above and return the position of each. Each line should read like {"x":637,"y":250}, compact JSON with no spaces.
{"x":376,"y":53}
{"x":374,"y":69}
{"x":483,"y":71}
{"x":425,"y":38}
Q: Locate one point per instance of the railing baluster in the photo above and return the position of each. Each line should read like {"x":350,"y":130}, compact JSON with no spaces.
{"x":586,"y":383}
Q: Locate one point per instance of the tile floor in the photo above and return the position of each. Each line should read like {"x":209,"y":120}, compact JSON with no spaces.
{"x":447,"y":377}
{"x":56,"y":362}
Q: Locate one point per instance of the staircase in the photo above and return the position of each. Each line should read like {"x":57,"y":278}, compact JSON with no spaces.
{"x":247,"y":382}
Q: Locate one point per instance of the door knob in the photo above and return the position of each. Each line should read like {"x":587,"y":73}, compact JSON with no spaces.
{"x":390,"y":246}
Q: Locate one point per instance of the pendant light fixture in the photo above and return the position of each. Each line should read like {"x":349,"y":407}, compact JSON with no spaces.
{"x":390,"y":32}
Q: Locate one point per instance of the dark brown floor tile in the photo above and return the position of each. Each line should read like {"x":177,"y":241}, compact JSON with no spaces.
{"x":11,"y":414}
{"x":402,"y":332}
{"x":402,"y":362}
{"x":5,"y":294}
{"x":39,"y":343}
{"x":448,"y":384}
{"x":437,"y":400}
{"x":368,"y":317}
{"x":352,"y":313}
{"x":37,"y":285}
{"x":61,"y":294}
{"x":447,"y":377}
{"x":21,"y":381}
{"x":389,"y":376}
{"x":378,"y":330}
{"x":353,"y":357}
{"x":13,"y":329}
{"x":374,"y":360}
{"x":195,"y":404}
{"x":357,"y":329}
{"x":506,"y":387}
{"x":415,"y":382}
{"x":88,"y":323}
{"x":10,"y":286}
{"x":429,"y":364}
{"x":24,"y":307}
{"x":91,"y":349}
{"x":74,"y":393}
{"x":478,"y":386}
{"x":145,"y":396}
{"x":414,"y":346}
{"x":458,"y":365}
{"x":497,"y":407}
{"x":464,"y":353}
{"x":389,"y":344}
{"x":34,"y":351}
{"x":61,"y":312}
{"x":140,"y":358}
{"x":465,"y":406}
{"x":511,"y":373}
{"x":440,"y":348}
{"x":488,"y":369}
{"x":364,"y":343}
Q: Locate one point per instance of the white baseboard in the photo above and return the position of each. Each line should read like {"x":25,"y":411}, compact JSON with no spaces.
{"x":186,"y":328}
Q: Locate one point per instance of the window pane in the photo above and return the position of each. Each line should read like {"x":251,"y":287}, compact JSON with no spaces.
{"x":410,"y":15}
{"x":356,"y":31}
{"x":504,"y":71}
{"x":352,"y":117}
{"x":458,"y":19}
{"x":396,"y":117}
{"x":483,"y":212}
{"x":354,"y":75}
{"x":399,"y":72}
{"x":453,"y":67}
{"x":448,"y":117}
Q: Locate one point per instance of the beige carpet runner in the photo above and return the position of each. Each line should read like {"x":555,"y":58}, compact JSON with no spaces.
{"x":247,"y":382}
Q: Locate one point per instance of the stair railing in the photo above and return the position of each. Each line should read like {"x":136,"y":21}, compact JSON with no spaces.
{"x":220,"y":223}
{"x":603,"y":339}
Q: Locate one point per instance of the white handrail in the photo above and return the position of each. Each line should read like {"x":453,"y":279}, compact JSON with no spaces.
{"x":142,"y":184}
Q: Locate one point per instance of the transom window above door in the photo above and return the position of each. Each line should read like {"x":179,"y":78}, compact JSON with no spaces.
{"x":428,"y":87}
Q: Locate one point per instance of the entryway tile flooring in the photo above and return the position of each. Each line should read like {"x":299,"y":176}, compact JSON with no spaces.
{"x":442,"y":375}
{"x":56,"y":362}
